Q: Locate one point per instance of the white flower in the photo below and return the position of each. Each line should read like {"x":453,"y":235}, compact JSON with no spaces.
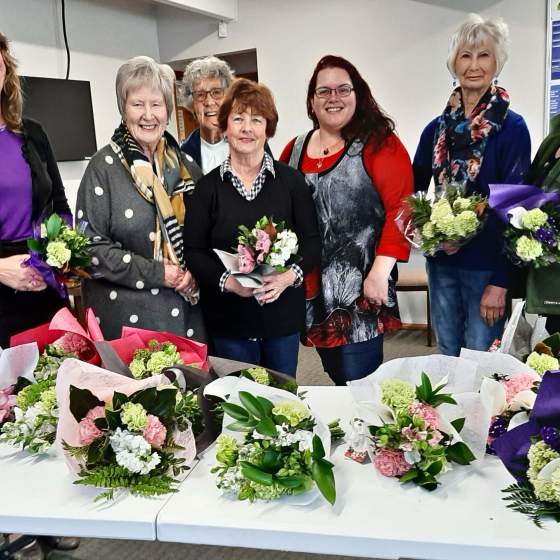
{"x":516,"y":216}
{"x":133,"y":452}
{"x":58,"y":254}
{"x":412,"y":457}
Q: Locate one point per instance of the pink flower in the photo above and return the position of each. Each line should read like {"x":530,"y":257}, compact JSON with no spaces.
{"x":437,"y":436}
{"x":7,"y":402}
{"x":390,"y":462}
{"x":154,"y":431}
{"x":440,"y":150}
{"x":411,"y":434}
{"x":427,"y":413}
{"x":517,"y":384}
{"x":263,"y":241}
{"x":89,"y":432}
{"x":246,"y":259}
{"x":73,"y":343}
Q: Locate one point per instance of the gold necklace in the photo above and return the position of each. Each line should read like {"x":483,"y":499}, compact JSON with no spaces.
{"x":327,"y":151}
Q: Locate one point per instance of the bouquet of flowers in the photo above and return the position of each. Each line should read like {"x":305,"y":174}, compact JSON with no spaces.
{"x":416,"y":431}
{"x":267,"y":243}
{"x":449,"y":220}
{"x":122,"y":434}
{"x":545,"y":355}
{"x":262,"y":376}
{"x":273,"y":448}
{"x":59,"y":253}
{"x":151,"y":360}
{"x":531,"y":453}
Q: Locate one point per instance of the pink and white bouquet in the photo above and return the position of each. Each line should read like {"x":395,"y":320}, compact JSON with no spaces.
{"x":123,"y":434}
{"x":267,"y":243}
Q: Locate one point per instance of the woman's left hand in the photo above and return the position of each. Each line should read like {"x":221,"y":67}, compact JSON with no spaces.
{"x":274,"y":285}
{"x":187,"y":284}
{"x":492,"y":304}
{"x":376,"y":288}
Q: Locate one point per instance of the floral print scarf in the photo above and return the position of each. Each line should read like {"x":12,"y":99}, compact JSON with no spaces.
{"x":460,"y":141}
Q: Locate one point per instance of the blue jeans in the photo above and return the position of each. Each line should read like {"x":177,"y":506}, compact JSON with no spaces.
{"x":455,"y":305}
{"x":352,"y":361}
{"x":278,"y":352}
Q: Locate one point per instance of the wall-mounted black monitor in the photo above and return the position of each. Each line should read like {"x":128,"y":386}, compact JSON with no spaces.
{"x":64,"y":109}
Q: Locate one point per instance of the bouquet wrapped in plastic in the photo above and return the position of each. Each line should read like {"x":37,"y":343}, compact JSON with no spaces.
{"x":448,"y":221}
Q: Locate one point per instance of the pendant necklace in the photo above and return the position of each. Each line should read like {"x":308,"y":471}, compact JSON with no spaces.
{"x":326,"y":151}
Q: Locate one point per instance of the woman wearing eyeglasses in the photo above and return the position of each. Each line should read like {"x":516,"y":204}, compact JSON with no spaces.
{"x":359,"y":172}
{"x":206,"y":80}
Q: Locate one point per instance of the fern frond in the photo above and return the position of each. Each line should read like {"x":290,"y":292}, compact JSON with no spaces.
{"x":523,"y":500}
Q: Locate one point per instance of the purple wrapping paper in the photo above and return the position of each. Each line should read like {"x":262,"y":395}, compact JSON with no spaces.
{"x":504,"y":198}
{"x":513,"y":446}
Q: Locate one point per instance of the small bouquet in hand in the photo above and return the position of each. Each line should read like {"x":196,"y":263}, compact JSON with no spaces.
{"x":450,"y":220}
{"x":282,"y":452}
{"x":268,"y":243}
{"x":59,"y":253}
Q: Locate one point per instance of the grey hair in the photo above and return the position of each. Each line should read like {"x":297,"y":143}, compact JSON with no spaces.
{"x":472,"y":32}
{"x":204,"y":68}
{"x":142,"y":70}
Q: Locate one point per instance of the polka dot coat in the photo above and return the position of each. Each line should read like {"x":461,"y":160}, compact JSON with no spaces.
{"x":127,"y":284}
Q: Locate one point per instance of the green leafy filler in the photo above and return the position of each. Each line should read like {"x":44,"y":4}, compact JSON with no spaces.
{"x":97,"y":460}
{"x":271,"y":469}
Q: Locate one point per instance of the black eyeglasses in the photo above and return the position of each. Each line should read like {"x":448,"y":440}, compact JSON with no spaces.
{"x":341,"y":91}
{"x":215,"y":93}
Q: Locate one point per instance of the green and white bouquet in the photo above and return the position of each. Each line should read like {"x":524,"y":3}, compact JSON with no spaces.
{"x":150,"y":361}
{"x":447,"y":221}
{"x":272,"y":447}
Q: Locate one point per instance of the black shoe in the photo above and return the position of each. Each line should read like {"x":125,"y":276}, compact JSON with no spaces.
{"x":62,"y":543}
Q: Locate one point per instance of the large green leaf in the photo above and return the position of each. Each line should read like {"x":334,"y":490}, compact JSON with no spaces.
{"x":459,"y":453}
{"x":267,"y":427}
{"x":271,"y":460}
{"x":20,"y":384}
{"x":82,"y":401}
{"x":35,"y":245}
{"x":267,"y":405}
{"x":239,"y":426}
{"x":322,"y":474}
{"x":290,"y":481}
{"x":252,"y":404}
{"x":119,"y":399}
{"x":253,"y":473}
{"x":95,"y":451}
{"x":54,"y":225}
{"x":164,"y":403}
{"x":113,"y":419}
{"x":235,"y":411}
{"x":458,"y":424}
{"x":318,"y":451}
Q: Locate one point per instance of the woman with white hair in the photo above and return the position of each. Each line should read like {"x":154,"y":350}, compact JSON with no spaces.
{"x":132,"y":198}
{"x":477,"y":140}
{"x":205,"y":81}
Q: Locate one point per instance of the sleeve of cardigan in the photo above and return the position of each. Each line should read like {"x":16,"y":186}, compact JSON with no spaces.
{"x":200,"y":259}
{"x":110,"y":261}
{"x":515,"y":158}
{"x":285,"y":155}
{"x":305,"y":222}
{"x":422,"y":165}
{"x":391,"y":173}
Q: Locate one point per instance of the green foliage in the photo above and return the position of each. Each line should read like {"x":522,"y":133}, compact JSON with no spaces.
{"x":82,"y":401}
{"x":459,"y":453}
{"x":458,"y":424}
{"x":524,"y":500}
{"x":337,"y":433}
{"x":426,"y":394}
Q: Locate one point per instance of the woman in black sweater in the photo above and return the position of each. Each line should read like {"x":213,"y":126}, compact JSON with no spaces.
{"x":259,"y":326}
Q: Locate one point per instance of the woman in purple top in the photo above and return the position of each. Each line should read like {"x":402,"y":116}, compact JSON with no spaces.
{"x":30,"y":187}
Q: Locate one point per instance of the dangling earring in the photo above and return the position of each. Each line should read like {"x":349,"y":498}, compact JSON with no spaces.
{"x":496,"y":81}
{"x":454,"y":83}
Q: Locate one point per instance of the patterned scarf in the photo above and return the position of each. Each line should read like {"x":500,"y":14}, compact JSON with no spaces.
{"x":163,"y":187}
{"x":460,"y":141}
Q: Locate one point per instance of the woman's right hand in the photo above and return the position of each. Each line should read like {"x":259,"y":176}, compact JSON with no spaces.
{"x":449,"y":247}
{"x":234,"y":287}
{"x":19,"y":277}
{"x":172,"y":275}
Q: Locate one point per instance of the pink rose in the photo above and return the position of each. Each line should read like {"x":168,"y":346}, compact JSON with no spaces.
{"x":427,"y":413}
{"x":390,"y":462}
{"x":517,"y":384}
{"x":154,"y":431}
{"x":263,"y":241}
{"x":73,"y":343}
{"x":246,"y":259}
{"x":7,"y":402}
{"x":89,"y":432}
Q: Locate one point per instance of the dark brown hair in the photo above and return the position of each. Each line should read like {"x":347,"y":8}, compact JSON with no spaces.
{"x":244,"y":94}
{"x":11,"y":101}
{"x":369,"y":120}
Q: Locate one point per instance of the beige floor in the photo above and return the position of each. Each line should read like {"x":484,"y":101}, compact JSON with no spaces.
{"x":310,"y":372}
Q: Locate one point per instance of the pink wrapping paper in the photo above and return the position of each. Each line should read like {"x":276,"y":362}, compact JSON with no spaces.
{"x":103,"y":383}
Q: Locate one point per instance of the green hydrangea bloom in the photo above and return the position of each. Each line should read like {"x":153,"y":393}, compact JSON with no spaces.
{"x":528,"y":249}
{"x":448,"y":226}
{"x":534,"y":219}
{"x":226,"y":450}
{"x":259,"y":375}
{"x":428,"y":230}
{"x":542,"y":362}
{"x":294,"y":411}
{"x":539,"y":455}
{"x":263,"y":492}
{"x":397,"y":394}
{"x":440,"y":209}
{"x":545,"y":491}
{"x":58,"y":254}
{"x":137,"y":368}
{"x":460,"y":204}
{"x":31,"y":394}
{"x":48,"y":400}
{"x":134,"y":416}
{"x":466,"y":223}
{"x":160,"y":360}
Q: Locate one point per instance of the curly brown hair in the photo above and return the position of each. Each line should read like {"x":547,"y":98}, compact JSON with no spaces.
{"x":11,"y":101}
{"x":245,"y":94}
{"x":369,"y":120}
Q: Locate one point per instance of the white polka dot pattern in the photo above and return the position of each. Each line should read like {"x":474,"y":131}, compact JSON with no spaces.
{"x":126,"y":258}
{"x":175,"y":312}
{"x":155,"y":291}
{"x":109,"y":160}
{"x":113,"y":295}
{"x":190,"y":332}
{"x":94,"y":261}
{"x":128,"y":213}
{"x":98,"y":191}
{"x":133,"y":319}
{"x":80,"y":214}
{"x":140,"y":285}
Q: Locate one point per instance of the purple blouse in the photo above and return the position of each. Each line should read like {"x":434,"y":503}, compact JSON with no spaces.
{"x":15,"y":189}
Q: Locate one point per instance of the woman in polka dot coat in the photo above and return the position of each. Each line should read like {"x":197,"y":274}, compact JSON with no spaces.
{"x":131,"y":202}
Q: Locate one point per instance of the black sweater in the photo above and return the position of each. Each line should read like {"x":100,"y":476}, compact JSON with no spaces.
{"x":213,"y":214}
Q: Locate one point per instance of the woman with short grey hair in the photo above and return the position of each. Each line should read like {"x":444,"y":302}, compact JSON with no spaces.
{"x":477,"y":140}
{"x":133,"y":197}
{"x":205,"y":81}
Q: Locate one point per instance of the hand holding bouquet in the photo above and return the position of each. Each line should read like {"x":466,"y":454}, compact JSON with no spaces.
{"x":58,"y":253}
{"x":446,"y":223}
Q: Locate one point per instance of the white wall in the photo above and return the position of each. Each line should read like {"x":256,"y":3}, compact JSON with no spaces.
{"x":102,"y":34}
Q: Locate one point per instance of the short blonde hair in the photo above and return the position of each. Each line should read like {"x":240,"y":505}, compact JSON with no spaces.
{"x":473,"y":32}
{"x":141,"y":70}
